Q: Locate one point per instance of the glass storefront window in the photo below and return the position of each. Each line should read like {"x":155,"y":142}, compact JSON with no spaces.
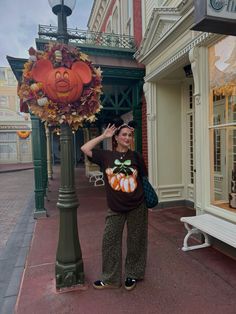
{"x":222,"y":122}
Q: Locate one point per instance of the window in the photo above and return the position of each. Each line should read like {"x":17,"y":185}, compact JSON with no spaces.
{"x":129,"y":8}
{"x":115,"y":26}
{"x":8,"y":146}
{"x":128,"y":13}
{"x":2,"y":74}
{"x":108,"y":29}
{"x":4,"y":103}
{"x":222,"y":119}
{"x":11,"y":78}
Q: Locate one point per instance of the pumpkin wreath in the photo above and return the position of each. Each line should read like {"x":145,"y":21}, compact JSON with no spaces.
{"x":23,"y":134}
{"x":60,"y":85}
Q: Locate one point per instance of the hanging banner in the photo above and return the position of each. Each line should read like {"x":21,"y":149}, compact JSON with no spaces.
{"x":215,"y":16}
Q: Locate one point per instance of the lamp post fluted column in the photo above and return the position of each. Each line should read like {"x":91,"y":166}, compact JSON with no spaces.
{"x":69,"y":263}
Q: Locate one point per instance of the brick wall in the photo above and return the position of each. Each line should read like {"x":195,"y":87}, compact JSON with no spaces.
{"x":137,"y":16}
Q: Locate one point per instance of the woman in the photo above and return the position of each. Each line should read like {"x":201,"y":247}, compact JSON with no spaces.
{"x":126,"y":204}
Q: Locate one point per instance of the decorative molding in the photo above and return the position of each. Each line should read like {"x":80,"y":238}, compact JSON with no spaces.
{"x":15,"y":126}
{"x":151,"y":117}
{"x":162,"y":29}
{"x":194,"y":59}
{"x":198,"y":41}
{"x":171,"y":192}
{"x":98,"y":13}
{"x":146,"y":90}
{"x":160,"y":23}
{"x":197,"y":100}
{"x":190,"y":193}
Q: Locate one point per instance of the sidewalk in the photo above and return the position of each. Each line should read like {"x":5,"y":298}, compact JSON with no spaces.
{"x":176,"y":282}
{"x":16,"y":167}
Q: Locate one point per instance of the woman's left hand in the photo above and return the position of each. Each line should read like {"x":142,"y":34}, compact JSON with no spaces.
{"x":109,"y":131}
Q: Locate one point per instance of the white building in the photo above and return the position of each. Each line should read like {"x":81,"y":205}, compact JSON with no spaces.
{"x":190,"y":89}
{"x":15,"y":128}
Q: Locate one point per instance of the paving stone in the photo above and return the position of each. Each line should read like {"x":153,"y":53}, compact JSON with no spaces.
{"x":16,"y":228}
{"x":8,"y":305}
{"x":15,"y":281}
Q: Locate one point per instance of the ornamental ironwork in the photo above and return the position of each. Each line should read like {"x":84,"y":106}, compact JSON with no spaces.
{"x":89,"y":38}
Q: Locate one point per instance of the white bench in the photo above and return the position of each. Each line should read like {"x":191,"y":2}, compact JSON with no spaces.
{"x":96,"y":177}
{"x":207,"y":224}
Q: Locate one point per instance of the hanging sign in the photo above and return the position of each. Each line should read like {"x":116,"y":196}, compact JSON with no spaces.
{"x":215,"y":16}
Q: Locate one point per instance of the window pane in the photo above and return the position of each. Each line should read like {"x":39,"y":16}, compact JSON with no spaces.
{"x":222,"y":121}
{"x":224,"y":148}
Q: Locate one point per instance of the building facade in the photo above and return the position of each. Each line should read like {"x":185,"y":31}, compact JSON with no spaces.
{"x":190,"y":90}
{"x":118,"y":17}
{"x":122,"y":18}
{"x":15,"y":128}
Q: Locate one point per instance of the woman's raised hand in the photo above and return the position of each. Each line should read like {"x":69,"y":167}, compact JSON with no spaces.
{"x":109,"y":131}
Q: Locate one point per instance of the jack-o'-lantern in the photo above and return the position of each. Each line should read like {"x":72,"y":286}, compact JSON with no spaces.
{"x":115,"y":182}
{"x":62,"y":85}
{"x":128,"y":184}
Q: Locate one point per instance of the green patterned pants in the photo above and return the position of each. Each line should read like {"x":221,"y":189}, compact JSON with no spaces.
{"x":137,"y":222}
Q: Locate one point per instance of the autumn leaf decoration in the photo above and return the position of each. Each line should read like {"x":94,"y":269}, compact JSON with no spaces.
{"x":32,"y":92}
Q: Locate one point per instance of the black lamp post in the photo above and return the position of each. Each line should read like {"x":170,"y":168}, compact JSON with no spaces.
{"x":69,"y":263}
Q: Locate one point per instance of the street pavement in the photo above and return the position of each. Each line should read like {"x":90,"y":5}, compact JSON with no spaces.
{"x":176,"y":282}
{"x":16,"y":228}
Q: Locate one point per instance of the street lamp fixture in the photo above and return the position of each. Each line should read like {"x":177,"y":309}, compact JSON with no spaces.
{"x":62,"y":8}
{"x":57,"y":5}
{"x":69,"y":263}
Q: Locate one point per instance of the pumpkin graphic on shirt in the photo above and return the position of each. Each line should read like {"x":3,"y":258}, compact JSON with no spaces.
{"x":122,"y":177}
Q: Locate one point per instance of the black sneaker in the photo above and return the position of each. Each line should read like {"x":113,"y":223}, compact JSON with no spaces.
{"x":99,"y":284}
{"x":130,"y":283}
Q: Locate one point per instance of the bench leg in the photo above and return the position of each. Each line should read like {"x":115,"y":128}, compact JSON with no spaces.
{"x":92,"y":179}
{"x":192,"y":231}
{"x":99,"y":181}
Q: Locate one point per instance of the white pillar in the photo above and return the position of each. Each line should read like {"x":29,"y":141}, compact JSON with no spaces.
{"x":151,"y":99}
{"x":199,"y":62}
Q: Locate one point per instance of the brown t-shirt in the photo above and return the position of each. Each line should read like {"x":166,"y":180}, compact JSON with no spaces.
{"x":122,"y":181}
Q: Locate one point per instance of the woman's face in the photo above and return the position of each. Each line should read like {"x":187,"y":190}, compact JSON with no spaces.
{"x":124,"y":138}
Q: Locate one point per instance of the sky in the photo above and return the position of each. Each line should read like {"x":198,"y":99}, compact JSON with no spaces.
{"x":20,"y":19}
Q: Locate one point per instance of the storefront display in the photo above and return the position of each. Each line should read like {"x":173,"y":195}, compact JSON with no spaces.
{"x":222,"y":122}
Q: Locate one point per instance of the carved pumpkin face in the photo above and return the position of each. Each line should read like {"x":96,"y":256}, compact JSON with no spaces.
{"x":64,"y":85}
{"x":61,"y":84}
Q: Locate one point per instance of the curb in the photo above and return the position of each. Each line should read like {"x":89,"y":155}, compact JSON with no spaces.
{"x":15,"y":170}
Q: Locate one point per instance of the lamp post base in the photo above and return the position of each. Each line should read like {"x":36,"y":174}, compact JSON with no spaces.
{"x":69,"y":275}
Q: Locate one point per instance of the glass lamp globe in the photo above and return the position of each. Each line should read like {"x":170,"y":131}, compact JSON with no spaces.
{"x":58,"y":5}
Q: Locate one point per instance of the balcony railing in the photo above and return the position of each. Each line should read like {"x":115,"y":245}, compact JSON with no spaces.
{"x":89,"y":38}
